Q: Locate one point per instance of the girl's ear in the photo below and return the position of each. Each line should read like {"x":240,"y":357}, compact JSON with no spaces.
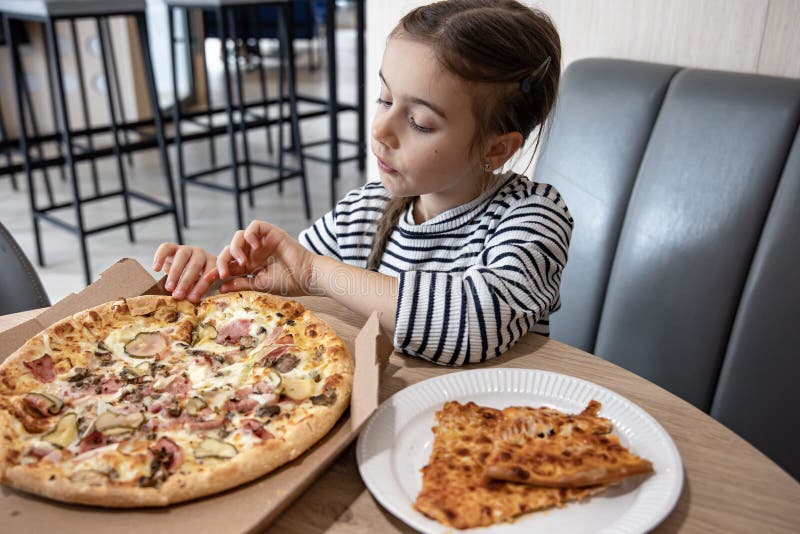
{"x":501,"y":148}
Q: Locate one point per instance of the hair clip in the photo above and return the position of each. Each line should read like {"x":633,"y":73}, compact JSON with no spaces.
{"x":534,"y":77}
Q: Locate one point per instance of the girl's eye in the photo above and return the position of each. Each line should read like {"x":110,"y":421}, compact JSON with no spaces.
{"x":417,"y":127}
{"x":384,"y":103}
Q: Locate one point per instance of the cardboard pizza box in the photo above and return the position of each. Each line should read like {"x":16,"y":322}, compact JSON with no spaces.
{"x":247,"y":508}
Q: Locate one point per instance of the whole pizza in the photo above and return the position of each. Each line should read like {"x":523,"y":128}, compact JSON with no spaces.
{"x":150,"y":401}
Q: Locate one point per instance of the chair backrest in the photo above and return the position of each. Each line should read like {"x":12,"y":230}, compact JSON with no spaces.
{"x":20,"y":287}
{"x":684,"y":265}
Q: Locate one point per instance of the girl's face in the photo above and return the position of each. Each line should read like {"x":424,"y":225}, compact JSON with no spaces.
{"x":424,"y":129}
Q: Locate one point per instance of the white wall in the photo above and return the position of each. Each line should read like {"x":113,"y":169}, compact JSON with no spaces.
{"x":740,"y":35}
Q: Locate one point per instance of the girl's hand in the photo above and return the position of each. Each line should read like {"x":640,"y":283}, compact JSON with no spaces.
{"x":190,"y":270}
{"x":275,"y":261}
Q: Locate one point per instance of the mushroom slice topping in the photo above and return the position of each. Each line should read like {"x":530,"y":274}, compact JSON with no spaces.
{"x":298,"y":388}
{"x":113,"y":423}
{"x":214,"y":448}
{"x":65,"y":432}
{"x":203,"y":333}
{"x":195,"y":405}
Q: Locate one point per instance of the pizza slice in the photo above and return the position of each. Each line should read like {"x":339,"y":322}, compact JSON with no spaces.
{"x":455,"y":490}
{"x":545,"y":447}
{"x":93,"y":353}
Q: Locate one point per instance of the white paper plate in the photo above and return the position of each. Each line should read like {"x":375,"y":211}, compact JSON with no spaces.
{"x":397,"y":442}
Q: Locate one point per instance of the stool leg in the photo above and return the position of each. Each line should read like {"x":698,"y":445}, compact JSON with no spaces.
{"x":54,"y":108}
{"x":242,"y":112}
{"x":285,"y":22}
{"x":212,"y":147}
{"x":361,"y":83}
{"x":229,"y":109}
{"x":176,"y":113}
{"x":84,"y":104}
{"x":50,"y":34}
{"x":333,"y":98}
{"x":7,"y":152}
{"x":263,"y":79}
{"x":36,"y":134}
{"x":265,"y":98}
{"x":159,"y":125}
{"x":281,"y":76}
{"x":17,"y":75}
{"x":113,"y":57}
{"x":101,"y":36}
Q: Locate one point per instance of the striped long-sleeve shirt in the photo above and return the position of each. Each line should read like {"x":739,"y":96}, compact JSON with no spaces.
{"x":473,"y":279}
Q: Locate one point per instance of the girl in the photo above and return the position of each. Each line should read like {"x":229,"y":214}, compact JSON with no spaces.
{"x":461,"y":260}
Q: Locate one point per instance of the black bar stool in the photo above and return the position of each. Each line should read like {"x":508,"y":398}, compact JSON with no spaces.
{"x":48,"y":12}
{"x":225,"y":12}
{"x":7,"y":151}
{"x":334,"y":107}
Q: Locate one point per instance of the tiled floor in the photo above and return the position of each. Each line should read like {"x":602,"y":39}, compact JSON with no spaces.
{"x":211,"y":214}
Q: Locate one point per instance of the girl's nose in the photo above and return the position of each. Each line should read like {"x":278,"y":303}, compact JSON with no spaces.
{"x":382,"y":130}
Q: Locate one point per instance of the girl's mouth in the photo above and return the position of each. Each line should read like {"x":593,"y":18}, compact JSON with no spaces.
{"x":384,"y":167}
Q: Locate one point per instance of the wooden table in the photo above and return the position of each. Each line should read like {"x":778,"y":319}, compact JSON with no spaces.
{"x":729,"y":486}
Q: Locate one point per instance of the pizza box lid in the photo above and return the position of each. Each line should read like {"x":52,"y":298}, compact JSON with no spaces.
{"x":126,"y":278}
{"x":247,"y":508}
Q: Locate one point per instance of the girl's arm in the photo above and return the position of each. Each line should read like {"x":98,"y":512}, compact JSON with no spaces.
{"x":277,"y":263}
{"x":360,"y":290}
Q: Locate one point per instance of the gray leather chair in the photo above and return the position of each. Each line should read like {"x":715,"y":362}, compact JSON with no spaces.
{"x":684,"y":265}
{"x":20,"y":287}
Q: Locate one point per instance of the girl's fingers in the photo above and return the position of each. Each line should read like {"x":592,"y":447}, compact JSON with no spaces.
{"x":236,"y":284}
{"x":224,"y":261}
{"x":164,"y":252}
{"x":211,"y":275}
{"x":239,"y":248}
{"x":190,"y":276}
{"x":202,"y":286}
{"x":255,"y":230}
{"x":176,"y":269}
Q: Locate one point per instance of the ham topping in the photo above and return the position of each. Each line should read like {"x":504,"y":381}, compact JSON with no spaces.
{"x":151,"y":425}
{"x":207,"y":425}
{"x":167,"y":456}
{"x":37,"y":405}
{"x":274,"y":354}
{"x":42,"y":368}
{"x":32,"y":423}
{"x":163,"y":402}
{"x":275,"y":334}
{"x":169,"y":453}
{"x":92,"y":441}
{"x":255,"y":427}
{"x":38,"y":452}
{"x":288,"y":339}
{"x":179,"y":386}
{"x":240,"y":402}
{"x":110,"y":385}
{"x":264,"y":386}
{"x":232,"y":332}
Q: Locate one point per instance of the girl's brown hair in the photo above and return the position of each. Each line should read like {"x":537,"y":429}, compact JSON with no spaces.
{"x":510,"y":54}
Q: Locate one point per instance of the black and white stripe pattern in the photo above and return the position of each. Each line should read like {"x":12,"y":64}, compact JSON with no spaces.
{"x":474,"y":279}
